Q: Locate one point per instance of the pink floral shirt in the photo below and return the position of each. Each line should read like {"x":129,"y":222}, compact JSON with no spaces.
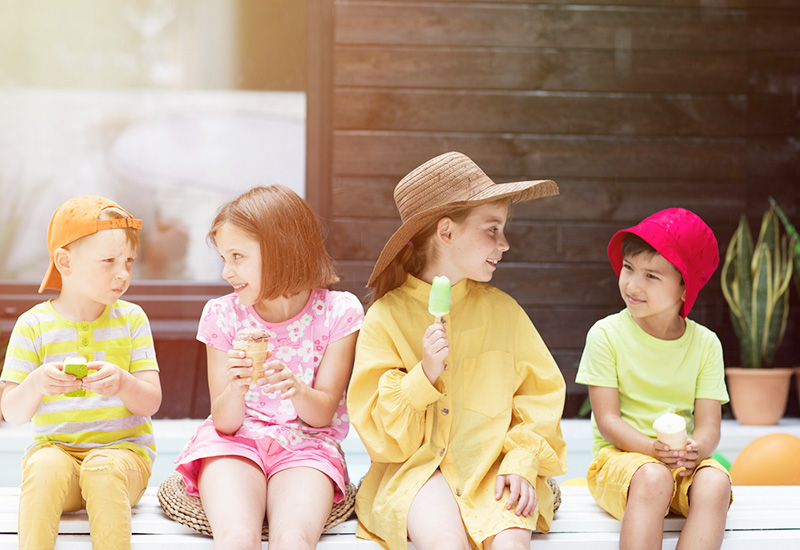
{"x":299,"y":343}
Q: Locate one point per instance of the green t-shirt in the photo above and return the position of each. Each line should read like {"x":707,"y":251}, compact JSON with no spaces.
{"x":653,"y":376}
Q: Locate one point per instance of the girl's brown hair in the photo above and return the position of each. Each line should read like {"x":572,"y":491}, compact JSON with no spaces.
{"x":293,"y":257}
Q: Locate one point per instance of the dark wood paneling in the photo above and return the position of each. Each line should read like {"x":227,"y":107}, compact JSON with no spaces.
{"x":469,"y":68}
{"x":773,"y":30}
{"x":545,"y":157}
{"x":587,"y":199}
{"x":541,"y":25}
{"x":538,"y":113}
{"x":631,"y":107}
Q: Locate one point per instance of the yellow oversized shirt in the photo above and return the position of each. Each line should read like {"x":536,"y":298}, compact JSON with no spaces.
{"x":495,"y":410}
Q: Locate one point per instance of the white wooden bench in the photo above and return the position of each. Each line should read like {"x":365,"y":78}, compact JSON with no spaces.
{"x":759,"y":517}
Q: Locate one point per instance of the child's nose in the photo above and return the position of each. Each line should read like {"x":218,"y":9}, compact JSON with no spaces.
{"x":502,"y":244}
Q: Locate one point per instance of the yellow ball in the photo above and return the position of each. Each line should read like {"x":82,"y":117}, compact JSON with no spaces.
{"x":773,"y":459}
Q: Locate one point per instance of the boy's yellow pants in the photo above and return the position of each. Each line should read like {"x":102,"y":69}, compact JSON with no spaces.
{"x":56,"y":479}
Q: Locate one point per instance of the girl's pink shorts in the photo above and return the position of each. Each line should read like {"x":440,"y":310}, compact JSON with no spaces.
{"x":266,"y":453}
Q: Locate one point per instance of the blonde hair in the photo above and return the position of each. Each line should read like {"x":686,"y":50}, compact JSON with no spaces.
{"x":293,"y":257}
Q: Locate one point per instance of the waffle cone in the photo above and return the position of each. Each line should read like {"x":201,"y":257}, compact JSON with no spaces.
{"x":258,"y":353}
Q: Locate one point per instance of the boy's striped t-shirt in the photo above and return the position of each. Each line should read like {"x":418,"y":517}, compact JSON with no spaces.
{"x":122,"y":336}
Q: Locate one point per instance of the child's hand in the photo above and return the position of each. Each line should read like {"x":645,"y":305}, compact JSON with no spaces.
{"x":240,"y":370}
{"x":522,"y":493}
{"x":435,"y":348}
{"x":662,"y":452}
{"x":50,"y":379}
{"x":689,"y":457}
{"x":278,"y":377}
{"x":678,"y":458}
{"x":107,"y":379}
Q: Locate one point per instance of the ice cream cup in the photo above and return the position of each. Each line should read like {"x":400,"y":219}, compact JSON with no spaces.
{"x":671,"y":430}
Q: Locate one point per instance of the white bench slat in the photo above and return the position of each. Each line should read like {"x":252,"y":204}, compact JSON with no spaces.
{"x":758,"y":514}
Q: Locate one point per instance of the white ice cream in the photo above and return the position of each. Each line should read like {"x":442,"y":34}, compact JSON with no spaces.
{"x":671,"y":430}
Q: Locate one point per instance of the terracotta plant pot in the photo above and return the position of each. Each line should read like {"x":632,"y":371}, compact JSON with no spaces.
{"x":758,"y":396}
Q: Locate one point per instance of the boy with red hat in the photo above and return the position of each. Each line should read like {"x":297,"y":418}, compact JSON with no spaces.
{"x":650,"y":359}
{"x":94,"y":445}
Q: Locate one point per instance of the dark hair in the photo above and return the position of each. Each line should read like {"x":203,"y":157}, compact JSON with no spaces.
{"x":293,"y":257}
{"x":633,"y":245}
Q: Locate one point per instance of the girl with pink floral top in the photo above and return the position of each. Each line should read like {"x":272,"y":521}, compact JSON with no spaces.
{"x":273,"y":447}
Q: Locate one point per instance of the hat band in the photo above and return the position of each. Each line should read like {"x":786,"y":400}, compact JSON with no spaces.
{"x":119,"y":223}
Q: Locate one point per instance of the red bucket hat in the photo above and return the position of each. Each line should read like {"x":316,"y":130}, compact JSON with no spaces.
{"x":683,"y":239}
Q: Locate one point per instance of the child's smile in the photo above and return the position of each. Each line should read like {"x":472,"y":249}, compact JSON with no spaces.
{"x":241,"y":255}
{"x":479,"y":243}
{"x":653,"y":292}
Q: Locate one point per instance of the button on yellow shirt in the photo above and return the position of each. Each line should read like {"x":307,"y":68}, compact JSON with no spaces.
{"x":495,"y":410}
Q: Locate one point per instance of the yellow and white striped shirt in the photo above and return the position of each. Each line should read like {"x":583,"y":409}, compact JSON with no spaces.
{"x":121,"y":335}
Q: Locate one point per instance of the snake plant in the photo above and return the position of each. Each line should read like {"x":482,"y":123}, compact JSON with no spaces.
{"x":792,"y":232}
{"x":755,"y":283}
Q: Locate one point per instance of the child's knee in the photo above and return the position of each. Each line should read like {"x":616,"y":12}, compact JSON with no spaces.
{"x":711,"y":485}
{"x":652,"y":480}
{"x":102,"y":472}
{"x":47,"y":465}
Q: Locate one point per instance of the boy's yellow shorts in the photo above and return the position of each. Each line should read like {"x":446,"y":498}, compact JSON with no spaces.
{"x":610,"y":474}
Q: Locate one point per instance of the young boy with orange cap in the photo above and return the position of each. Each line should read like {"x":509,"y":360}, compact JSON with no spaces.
{"x":650,"y":359}
{"x":93,"y":443}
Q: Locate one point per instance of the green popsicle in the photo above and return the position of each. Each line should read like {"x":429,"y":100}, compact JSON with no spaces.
{"x":78,"y":367}
{"x":439,"y":300}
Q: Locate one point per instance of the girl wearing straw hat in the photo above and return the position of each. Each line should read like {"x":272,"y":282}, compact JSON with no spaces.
{"x":460,"y":413}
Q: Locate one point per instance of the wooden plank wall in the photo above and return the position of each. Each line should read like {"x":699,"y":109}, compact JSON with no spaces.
{"x":630,"y":106}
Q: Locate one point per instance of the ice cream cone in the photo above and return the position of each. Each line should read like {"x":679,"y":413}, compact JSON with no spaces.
{"x":255,"y":345}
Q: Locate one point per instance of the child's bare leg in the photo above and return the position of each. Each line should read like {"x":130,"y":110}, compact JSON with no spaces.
{"x":299,"y":501}
{"x":434,"y":519}
{"x":709,"y":497}
{"x":649,"y":496}
{"x":509,"y":539}
{"x":234,"y":495}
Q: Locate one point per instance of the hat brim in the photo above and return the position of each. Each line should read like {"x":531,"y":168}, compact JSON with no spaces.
{"x":519,"y":191}
{"x":52,"y":279}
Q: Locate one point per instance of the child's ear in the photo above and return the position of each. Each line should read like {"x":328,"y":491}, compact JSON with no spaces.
{"x":444,"y":230}
{"x":61,"y":260}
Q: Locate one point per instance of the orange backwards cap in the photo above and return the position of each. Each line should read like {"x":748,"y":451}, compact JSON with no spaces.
{"x":75,"y":219}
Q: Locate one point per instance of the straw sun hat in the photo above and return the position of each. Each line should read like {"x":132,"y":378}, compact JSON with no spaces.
{"x":443,"y":184}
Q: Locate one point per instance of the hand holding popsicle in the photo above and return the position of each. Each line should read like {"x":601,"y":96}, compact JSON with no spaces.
{"x":435,"y":346}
